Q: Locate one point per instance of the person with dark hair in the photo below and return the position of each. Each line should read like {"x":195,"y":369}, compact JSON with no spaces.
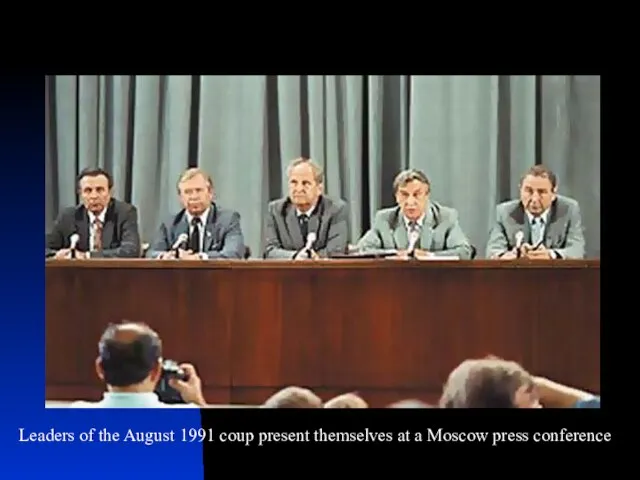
{"x":434,"y":227}
{"x":104,"y":226}
{"x":130,"y":364}
{"x":540,"y":224}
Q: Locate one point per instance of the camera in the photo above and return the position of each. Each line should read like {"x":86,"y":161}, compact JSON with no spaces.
{"x":166,"y":393}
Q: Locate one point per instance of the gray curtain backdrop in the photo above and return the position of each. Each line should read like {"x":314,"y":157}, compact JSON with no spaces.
{"x":474,"y":136}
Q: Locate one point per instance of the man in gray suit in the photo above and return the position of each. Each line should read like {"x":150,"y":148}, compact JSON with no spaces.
{"x":435,"y":226}
{"x":540,"y":225}
{"x":294,"y":220}
{"x":106,"y":227}
{"x":209,"y":231}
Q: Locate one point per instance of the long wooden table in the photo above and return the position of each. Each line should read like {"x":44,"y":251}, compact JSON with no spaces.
{"x":388,"y":329}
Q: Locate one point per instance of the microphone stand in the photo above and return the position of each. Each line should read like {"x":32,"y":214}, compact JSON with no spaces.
{"x":73,"y":253}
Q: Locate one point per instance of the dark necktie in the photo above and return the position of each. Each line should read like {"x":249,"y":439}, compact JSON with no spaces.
{"x":304,"y":226}
{"x":194,"y":240}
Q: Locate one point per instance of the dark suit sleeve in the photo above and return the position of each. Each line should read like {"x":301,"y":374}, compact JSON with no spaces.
{"x":233,"y":241}
{"x":338,"y":234}
{"x":55,"y":239}
{"x":273,"y":246}
{"x":160,"y":242}
{"x":129,"y":240}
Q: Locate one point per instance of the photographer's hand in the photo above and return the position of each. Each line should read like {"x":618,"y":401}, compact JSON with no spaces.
{"x":191,"y":389}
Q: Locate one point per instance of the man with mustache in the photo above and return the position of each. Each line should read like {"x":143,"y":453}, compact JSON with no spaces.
{"x":540,"y":225}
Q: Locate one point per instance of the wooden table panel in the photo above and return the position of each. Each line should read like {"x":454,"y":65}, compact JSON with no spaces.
{"x":388,"y":328}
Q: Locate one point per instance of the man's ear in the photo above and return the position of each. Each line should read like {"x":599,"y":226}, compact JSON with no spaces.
{"x":99,"y":369}
{"x":156,"y":371}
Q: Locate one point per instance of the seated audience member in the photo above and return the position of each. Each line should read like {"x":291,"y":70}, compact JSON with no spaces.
{"x":436,"y":226}
{"x":489,"y":383}
{"x":293,"y":397}
{"x":306,"y":210}
{"x":130,"y":363}
{"x":208,"y":230}
{"x":346,"y":400}
{"x":540,"y":225}
{"x":106,"y":227}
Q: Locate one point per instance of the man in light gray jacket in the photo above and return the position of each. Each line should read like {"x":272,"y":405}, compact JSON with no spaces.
{"x":435,"y":226}
{"x":540,"y":225}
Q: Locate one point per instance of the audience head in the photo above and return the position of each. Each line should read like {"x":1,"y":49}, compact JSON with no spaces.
{"x":489,"y":383}
{"x":293,"y":397}
{"x":410,"y":403}
{"x":305,"y":183}
{"x":129,"y":358}
{"x":94,"y":188}
{"x":195,"y":189}
{"x":411,"y":188}
{"x":538,"y":189}
{"x":347,"y":400}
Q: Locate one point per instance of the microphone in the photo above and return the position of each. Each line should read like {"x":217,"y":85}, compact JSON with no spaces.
{"x":519,"y":240}
{"x":311,"y":237}
{"x":73,"y":243}
{"x":181,"y":240}
{"x":414,"y":235}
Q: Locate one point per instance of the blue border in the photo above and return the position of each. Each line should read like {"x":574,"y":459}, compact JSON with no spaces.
{"x":22,"y":353}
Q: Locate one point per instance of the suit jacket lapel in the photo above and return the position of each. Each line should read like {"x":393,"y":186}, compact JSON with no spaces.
{"x":522,"y":224}
{"x":551,"y":227}
{"x":314,"y":220}
{"x":426,"y":233}
{"x":294,"y":227}
{"x":108,"y":227}
{"x":182,"y":226}
{"x":400,"y":237}
{"x":209,"y":230}
{"x":82,"y":228}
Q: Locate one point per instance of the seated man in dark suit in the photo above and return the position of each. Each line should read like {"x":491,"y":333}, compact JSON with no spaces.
{"x":294,"y":220}
{"x":209,"y":231}
{"x":540,"y":225}
{"x":435,"y":226}
{"x":106,"y":227}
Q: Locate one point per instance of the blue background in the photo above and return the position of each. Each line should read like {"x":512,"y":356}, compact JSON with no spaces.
{"x":22,"y":353}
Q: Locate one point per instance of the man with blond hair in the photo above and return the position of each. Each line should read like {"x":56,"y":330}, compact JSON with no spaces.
{"x":307,"y":224}
{"x":202,"y":230}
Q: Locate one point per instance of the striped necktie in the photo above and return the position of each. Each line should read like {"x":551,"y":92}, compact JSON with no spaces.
{"x":97,"y":235}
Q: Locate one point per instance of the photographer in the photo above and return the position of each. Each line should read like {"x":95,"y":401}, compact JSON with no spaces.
{"x":130,"y":363}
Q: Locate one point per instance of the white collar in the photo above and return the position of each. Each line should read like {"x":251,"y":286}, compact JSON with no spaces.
{"x":308,"y":213}
{"x":420,"y":221}
{"x":203,"y":216}
{"x":544,"y":216}
{"x":101,"y":216}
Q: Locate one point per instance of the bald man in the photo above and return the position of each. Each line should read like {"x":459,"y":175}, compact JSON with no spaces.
{"x":130,"y":364}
